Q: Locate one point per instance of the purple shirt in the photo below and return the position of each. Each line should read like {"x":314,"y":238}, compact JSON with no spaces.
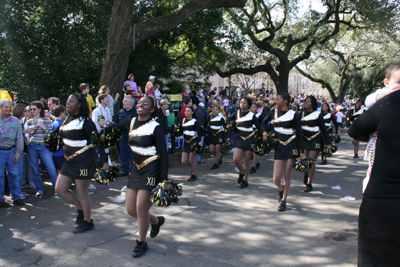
{"x":132,"y":84}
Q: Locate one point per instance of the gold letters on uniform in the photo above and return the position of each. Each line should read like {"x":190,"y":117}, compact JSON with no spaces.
{"x":317,"y":145}
{"x":151,"y":181}
{"x":295,"y":152}
{"x":83,"y":172}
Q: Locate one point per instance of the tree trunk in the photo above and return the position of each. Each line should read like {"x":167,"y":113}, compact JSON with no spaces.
{"x":120,"y":35}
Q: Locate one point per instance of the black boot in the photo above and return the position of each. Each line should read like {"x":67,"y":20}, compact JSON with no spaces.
{"x":215,"y":166}
{"x":305,"y":179}
{"x":240,"y":179}
{"x":280,"y":194}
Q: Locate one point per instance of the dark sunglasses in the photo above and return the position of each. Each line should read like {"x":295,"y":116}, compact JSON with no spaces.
{"x":33,"y":109}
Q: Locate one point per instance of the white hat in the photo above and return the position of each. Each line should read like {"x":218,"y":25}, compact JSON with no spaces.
{"x":201,"y":104}
{"x":151,"y":77}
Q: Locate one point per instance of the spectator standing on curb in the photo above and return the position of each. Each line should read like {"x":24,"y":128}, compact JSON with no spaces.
{"x":11,"y":148}
{"x":130,"y":82}
{"x":150,"y":83}
{"x":85,"y":91}
{"x":126,"y":154}
{"x":102,"y":110}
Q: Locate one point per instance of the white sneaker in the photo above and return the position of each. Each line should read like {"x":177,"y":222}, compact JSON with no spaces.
{"x":213,"y":156}
{"x":236,"y":169}
{"x":39,"y":194}
{"x":55,"y":194}
{"x":231,"y":151}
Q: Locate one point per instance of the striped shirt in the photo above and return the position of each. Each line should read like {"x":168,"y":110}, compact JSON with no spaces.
{"x":37,"y":136}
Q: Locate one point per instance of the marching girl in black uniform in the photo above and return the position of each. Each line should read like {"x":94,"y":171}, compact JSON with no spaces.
{"x":80,"y":159}
{"x":314,"y":134}
{"x":254,"y":107}
{"x":192,"y":135}
{"x":245,"y":119}
{"x":351,"y":115}
{"x":150,"y":160}
{"x":290,"y":140}
{"x":216,"y":123}
{"x":329,"y":119}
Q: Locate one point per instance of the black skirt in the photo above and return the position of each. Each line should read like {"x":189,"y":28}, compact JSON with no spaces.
{"x":147,"y":177}
{"x":81,"y":167}
{"x":379,"y":232}
{"x":247,"y":144}
{"x":314,"y":144}
{"x":219,"y":139}
{"x":187,"y":147}
{"x":290,"y":151}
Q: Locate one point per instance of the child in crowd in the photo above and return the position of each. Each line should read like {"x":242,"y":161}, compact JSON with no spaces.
{"x":101,"y":123}
{"x":128,"y":89}
{"x":139,"y":92}
{"x":58,"y":157}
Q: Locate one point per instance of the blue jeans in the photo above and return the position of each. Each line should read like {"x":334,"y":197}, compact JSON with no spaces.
{"x":7,"y":163}
{"x":234,"y":138}
{"x":166,"y":141}
{"x":35,"y":151}
{"x":198,"y":157}
{"x":126,"y":156}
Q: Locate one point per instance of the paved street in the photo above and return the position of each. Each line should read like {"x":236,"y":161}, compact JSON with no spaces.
{"x":215,"y":223}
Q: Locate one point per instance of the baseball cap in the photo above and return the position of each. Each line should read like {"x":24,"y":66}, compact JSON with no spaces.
{"x":201,"y":104}
{"x":164,"y":101}
{"x":152,"y":77}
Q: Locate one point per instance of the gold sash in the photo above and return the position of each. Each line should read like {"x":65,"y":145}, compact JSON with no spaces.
{"x":312,"y":137}
{"x":215,"y":134}
{"x":80,"y":151}
{"x":145,"y":162}
{"x":288,"y":141}
{"x":190,"y":140}
{"x":247,"y":137}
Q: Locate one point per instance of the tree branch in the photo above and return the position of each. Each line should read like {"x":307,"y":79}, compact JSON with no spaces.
{"x":164,"y":24}
{"x":320,"y":81}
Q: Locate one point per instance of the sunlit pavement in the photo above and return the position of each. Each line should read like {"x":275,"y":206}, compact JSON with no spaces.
{"x":215,"y":223}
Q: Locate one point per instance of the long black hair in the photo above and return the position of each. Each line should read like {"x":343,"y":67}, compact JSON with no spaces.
{"x":314,"y":102}
{"x":329,"y":108}
{"x":153,"y":102}
{"x":84,"y":108}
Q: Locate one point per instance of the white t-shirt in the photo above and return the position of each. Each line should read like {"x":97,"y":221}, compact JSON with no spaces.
{"x":339,"y":117}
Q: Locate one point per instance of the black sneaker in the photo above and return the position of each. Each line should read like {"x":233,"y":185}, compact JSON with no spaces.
{"x":220,"y":160}
{"x":84,"y":226}
{"x":240,"y":179}
{"x":140,"y":249}
{"x":280,"y":195}
{"x":252,"y":170}
{"x":79,"y":217}
{"x":155,"y":229}
{"x":355,"y":156}
{"x":305,"y":179}
{"x":192,"y":178}
{"x":324,"y":162}
{"x":257,"y":166}
{"x":215,"y":166}
{"x":244,"y":184}
{"x":308,"y":188}
{"x":282,"y":206}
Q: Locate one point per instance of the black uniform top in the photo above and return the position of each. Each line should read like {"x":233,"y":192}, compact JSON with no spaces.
{"x":216,"y":123}
{"x":191,"y":128}
{"x":285,"y":122}
{"x":383,"y":118}
{"x":77,"y":132}
{"x":146,"y":139}
{"x":311,"y":120}
{"x":162,"y":120}
{"x":354,"y":113}
{"x":245,"y":122}
{"x":328,"y":119}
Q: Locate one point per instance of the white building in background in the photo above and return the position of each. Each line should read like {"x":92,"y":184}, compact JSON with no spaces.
{"x":297,"y":83}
